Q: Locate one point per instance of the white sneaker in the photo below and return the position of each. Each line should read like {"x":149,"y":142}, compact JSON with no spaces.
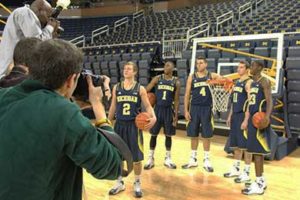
{"x":169,"y":163}
{"x":264,"y":184}
{"x":255,"y":188}
{"x":149,"y":164}
{"x":243,"y":178}
{"x":119,"y":187}
{"x":192,"y":163}
{"x":207,"y":165}
{"x":234,"y":172}
{"x":137,"y":189}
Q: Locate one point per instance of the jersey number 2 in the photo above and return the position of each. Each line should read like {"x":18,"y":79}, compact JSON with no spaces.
{"x":126,"y":109}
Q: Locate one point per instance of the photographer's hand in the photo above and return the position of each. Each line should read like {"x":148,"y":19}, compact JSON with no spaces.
{"x":95,"y":97}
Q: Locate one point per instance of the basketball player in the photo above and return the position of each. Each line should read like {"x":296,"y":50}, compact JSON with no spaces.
{"x":237,"y":120}
{"x":126,"y":102}
{"x":260,"y":101}
{"x":198,"y":112}
{"x":166,"y":111}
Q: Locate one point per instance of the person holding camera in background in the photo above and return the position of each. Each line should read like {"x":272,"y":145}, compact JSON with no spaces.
{"x":29,"y":21}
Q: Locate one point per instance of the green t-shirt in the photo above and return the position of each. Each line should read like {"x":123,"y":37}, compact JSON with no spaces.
{"x":45,"y":142}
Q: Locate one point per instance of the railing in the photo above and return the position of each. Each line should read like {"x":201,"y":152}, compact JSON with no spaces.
{"x":224,"y":18}
{"x":120,"y":22}
{"x":258,"y":2}
{"x":198,"y":30}
{"x":100,"y":31}
{"x":79,"y":40}
{"x":174,"y":42}
{"x":122,"y":44}
{"x":138,"y":14}
{"x":244,"y":8}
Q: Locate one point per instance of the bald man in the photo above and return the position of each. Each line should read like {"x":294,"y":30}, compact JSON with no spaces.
{"x":29,"y":21}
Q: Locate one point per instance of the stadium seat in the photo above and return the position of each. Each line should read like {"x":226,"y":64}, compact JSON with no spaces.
{"x":294,"y":120}
{"x":293,"y":74}
{"x":293,"y":97}
{"x":294,"y":51}
{"x":293,"y":63}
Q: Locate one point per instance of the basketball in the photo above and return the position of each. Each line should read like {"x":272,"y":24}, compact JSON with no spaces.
{"x":259,"y":121}
{"x":152,"y":98}
{"x":141,"y":120}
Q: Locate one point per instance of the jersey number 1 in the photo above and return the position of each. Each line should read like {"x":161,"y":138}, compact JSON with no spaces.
{"x":164,"y":95}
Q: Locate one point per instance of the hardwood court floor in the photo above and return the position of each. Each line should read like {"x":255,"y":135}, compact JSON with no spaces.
{"x":160,"y":183}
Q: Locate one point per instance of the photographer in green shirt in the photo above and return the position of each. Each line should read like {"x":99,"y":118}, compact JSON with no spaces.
{"x":45,"y":141}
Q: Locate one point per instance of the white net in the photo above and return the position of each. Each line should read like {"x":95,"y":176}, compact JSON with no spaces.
{"x":220,"y":95}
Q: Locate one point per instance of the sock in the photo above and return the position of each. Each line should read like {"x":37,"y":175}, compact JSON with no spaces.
{"x":260,"y":179}
{"x":137,"y":178}
{"x":237,"y":164}
{"x":120,"y":178}
{"x":194,"y":154}
{"x":168,"y":154}
{"x":206,"y":154}
{"x":247,"y":168}
{"x":151,"y":153}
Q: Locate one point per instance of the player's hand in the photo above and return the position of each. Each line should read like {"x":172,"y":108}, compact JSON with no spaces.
{"x":151,"y":123}
{"x":244,"y":125}
{"x":95,"y":93}
{"x":228,"y":121}
{"x":175,"y":120}
{"x":187,"y":116}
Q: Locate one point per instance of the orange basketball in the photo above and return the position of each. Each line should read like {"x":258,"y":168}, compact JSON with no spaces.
{"x":259,"y":120}
{"x":141,"y":120}
{"x":152,"y":98}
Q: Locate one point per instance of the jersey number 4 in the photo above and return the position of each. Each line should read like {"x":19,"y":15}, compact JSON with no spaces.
{"x":203,"y":91}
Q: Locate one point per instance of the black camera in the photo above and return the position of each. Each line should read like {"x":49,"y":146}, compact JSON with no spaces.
{"x":82,"y":89}
{"x":54,"y":15}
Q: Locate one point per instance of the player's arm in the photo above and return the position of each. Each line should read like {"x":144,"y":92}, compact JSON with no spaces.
{"x":228,"y":122}
{"x":187,"y":98}
{"x":112,"y":109}
{"x":266,"y":85}
{"x":148,"y":107}
{"x":244,"y":124}
{"x":152,"y":84}
{"x":176,"y":102}
{"x":106,"y":81}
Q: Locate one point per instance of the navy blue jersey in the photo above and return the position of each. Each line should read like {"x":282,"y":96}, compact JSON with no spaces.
{"x":165,"y":91}
{"x":200,"y":91}
{"x":240,"y":96}
{"x":128,"y":102}
{"x":257,"y":98}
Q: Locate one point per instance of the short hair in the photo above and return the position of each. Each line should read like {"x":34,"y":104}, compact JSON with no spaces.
{"x":171,"y":62}
{"x":244,"y":62}
{"x":258,"y":63}
{"x":54,"y":61}
{"x":202,"y":58}
{"x":24,"y":50}
{"x":135,"y":68}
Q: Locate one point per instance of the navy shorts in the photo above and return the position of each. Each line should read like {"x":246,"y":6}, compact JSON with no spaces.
{"x":201,"y":119}
{"x":164,"y":115}
{"x":132,"y":136}
{"x":257,"y":142}
{"x":238,"y":137}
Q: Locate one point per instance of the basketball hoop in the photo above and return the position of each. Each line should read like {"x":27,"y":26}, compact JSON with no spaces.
{"x":220,"y":91}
